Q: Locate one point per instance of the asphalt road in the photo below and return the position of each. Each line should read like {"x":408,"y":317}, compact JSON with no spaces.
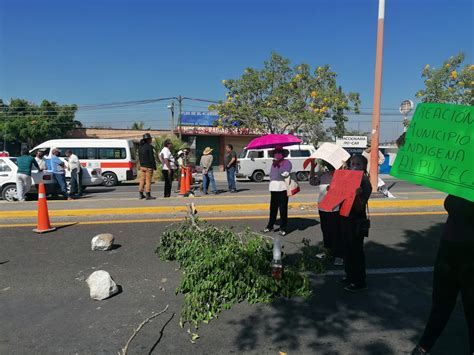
{"x":46,"y":309}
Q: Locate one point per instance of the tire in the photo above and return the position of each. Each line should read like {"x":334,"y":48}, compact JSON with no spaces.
{"x":258,"y":176}
{"x":68,"y":185}
{"x":302,"y":176}
{"x":110,"y":179}
{"x":9,"y":192}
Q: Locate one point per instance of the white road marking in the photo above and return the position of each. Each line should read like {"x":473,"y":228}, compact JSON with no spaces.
{"x":385,"y":271}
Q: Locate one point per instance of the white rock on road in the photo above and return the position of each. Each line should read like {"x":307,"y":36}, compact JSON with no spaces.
{"x":102,"y":242}
{"x":101,"y":285}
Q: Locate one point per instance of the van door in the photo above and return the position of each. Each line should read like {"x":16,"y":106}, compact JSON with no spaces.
{"x":297,"y":158}
{"x":258,"y":165}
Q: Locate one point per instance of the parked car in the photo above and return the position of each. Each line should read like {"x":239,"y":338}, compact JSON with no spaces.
{"x":255,"y":164}
{"x":8,"y":169}
{"x":115,"y":157}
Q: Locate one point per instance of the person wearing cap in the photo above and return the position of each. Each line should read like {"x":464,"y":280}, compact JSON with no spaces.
{"x":168,"y":166}
{"x":59,"y":172}
{"x":207,"y":171}
{"x":146,"y":156}
{"x":181,"y":165}
{"x":281,"y":169}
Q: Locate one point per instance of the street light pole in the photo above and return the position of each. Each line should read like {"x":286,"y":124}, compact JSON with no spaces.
{"x":171,"y":108}
{"x":374,"y":153}
{"x":180,"y":103}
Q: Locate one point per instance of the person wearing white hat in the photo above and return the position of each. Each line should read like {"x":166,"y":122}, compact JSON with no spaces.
{"x":207,"y":171}
{"x":181,"y":165}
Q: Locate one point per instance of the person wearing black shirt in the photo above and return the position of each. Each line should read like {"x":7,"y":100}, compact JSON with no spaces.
{"x":230,"y":160}
{"x":453,"y":273}
{"x":146,"y":155}
{"x":353,"y":236}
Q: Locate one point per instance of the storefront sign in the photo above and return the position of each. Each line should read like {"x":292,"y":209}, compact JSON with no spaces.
{"x":352,"y":141}
{"x":199,"y":130}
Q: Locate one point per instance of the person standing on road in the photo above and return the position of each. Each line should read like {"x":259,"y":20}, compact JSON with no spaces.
{"x":230,"y":160}
{"x":352,"y":233}
{"x":181,"y":166}
{"x":453,"y":273}
{"x":330,"y":220}
{"x":23,"y":177}
{"x":146,"y":156}
{"x":75,"y":168}
{"x":167,"y":160}
{"x":207,"y":171}
{"x":59,"y":173}
{"x":281,"y":169}
{"x":40,"y":159}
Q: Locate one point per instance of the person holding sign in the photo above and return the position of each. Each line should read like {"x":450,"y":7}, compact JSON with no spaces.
{"x":330,"y":219}
{"x":281,"y":169}
{"x":354,"y":231}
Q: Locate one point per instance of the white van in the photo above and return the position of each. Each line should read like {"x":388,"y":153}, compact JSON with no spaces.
{"x":255,"y":164}
{"x":115,"y":157}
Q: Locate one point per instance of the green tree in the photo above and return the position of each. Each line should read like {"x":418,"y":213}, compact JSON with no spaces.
{"x":448,"y":84}
{"x":139,"y":126}
{"x":27,"y":122}
{"x":280,"y":98}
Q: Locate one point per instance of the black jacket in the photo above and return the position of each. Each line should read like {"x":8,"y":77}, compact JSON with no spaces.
{"x":146,"y":156}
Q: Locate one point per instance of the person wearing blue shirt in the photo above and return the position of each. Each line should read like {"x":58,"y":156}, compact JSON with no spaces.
{"x":59,"y":172}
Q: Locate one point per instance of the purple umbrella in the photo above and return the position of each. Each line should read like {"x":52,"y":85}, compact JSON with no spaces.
{"x":272,"y":140}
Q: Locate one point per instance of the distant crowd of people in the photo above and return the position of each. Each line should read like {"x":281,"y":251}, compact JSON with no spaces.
{"x":27,"y":163}
{"x":171,"y":164}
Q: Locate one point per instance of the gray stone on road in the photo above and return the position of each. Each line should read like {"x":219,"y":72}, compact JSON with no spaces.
{"x":46,"y":309}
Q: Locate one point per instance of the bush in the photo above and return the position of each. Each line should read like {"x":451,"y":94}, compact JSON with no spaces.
{"x":222,"y":267}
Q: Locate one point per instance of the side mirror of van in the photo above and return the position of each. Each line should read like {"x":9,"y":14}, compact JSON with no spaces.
{"x":252,"y":159}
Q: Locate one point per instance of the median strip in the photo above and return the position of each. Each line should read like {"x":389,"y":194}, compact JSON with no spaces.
{"x":373,"y":204}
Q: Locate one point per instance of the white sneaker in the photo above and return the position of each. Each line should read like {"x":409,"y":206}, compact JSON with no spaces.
{"x":321,"y":256}
{"x":338,"y":261}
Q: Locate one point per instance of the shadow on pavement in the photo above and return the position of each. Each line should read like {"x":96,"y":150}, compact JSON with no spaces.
{"x":332,"y":318}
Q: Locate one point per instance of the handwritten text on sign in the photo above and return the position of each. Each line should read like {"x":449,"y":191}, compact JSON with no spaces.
{"x":439,"y":149}
{"x":342,"y":190}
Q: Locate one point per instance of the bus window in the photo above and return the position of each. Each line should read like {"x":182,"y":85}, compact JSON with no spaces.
{"x":112,"y":153}
{"x":91,"y":153}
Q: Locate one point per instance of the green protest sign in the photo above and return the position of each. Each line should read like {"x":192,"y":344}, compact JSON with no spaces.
{"x":439,"y":149}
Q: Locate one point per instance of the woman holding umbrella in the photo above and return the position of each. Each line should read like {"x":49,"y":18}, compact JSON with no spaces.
{"x":281,"y":169}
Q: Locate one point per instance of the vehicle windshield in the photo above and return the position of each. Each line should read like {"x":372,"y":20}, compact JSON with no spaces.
{"x":243,"y":153}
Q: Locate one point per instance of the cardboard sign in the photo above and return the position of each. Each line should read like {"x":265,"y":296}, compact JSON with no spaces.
{"x":439,"y":149}
{"x":331,"y":153}
{"x":342,"y":190}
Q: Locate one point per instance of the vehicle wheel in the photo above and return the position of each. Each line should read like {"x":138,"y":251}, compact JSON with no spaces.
{"x":302,"y":176}
{"x":9,"y":192}
{"x":68,"y":185}
{"x":258,"y":176}
{"x":110,"y":179}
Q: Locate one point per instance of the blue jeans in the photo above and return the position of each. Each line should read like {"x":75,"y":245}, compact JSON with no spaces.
{"x":61,"y":181}
{"x":206,"y":178}
{"x":231,"y":178}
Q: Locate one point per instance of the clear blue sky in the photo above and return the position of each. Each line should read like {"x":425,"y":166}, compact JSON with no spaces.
{"x":98,"y":51}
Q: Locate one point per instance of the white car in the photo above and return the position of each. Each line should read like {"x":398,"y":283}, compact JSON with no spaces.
{"x":8,"y":169}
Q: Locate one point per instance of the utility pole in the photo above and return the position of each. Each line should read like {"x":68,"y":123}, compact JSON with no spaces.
{"x":180,"y":105}
{"x":171,"y":108}
{"x":374,"y":153}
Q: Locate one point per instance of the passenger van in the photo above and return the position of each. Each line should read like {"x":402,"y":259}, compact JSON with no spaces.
{"x":255,"y":164}
{"x":115,"y":157}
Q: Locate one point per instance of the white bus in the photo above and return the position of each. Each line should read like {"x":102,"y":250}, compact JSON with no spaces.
{"x":115,"y":157}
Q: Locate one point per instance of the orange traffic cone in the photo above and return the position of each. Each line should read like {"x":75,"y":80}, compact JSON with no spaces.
{"x":189,"y":176}
{"x":182,"y":183}
{"x":43,"y":217}
{"x":186,"y":180}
